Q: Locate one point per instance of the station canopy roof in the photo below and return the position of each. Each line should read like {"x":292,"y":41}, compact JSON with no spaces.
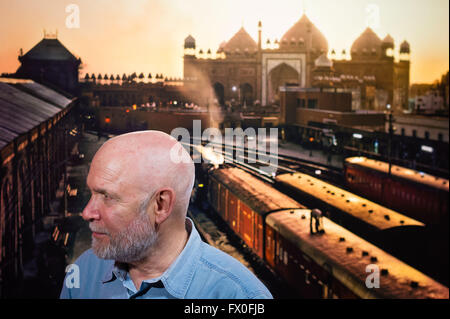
{"x":24,"y":104}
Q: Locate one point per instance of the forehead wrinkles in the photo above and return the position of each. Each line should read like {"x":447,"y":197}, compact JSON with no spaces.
{"x":100,"y":176}
{"x":126,"y":170}
{"x":107,"y":168}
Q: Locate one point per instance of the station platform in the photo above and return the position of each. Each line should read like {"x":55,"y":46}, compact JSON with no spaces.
{"x":317,"y":156}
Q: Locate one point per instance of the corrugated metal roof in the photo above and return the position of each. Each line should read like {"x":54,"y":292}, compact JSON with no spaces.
{"x":46,"y":94}
{"x":372,"y":214}
{"x":21,"y":111}
{"x":402,"y":172}
{"x":5,"y":136}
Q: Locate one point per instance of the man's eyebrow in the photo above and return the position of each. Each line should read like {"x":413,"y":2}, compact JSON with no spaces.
{"x":105,"y":192}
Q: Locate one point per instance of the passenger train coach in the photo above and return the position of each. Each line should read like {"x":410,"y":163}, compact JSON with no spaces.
{"x":400,"y":235}
{"x":421,"y":196}
{"x":334,"y":264}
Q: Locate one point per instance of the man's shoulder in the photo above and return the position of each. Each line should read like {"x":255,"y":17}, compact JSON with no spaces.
{"x":229,"y":272}
{"x":84,"y":275}
{"x":87,"y":256}
{"x":90,"y":264}
{"x":216,"y":257}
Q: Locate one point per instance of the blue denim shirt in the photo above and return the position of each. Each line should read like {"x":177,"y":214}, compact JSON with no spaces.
{"x":199,"y":272}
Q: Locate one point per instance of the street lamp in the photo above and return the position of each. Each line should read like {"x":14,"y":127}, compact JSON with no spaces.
{"x":238,"y":90}
{"x":359,"y":137}
{"x":391,"y":131}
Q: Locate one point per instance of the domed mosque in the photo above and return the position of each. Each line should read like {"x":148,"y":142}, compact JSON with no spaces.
{"x":240,"y":43}
{"x":304,"y":30}
{"x":244,"y":71}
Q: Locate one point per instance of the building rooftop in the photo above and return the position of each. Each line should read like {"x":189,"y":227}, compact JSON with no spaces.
{"x":241,"y":42}
{"x":24,"y":104}
{"x":49,"y":49}
{"x":300,"y":32}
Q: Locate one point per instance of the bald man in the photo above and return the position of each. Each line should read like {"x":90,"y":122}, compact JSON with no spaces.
{"x":143,"y":245}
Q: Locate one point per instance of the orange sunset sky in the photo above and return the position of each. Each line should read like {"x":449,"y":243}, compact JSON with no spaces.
{"x":125,"y":36}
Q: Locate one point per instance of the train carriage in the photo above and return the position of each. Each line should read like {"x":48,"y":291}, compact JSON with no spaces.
{"x":329,"y":265}
{"x":358,"y":213}
{"x":247,"y":201}
{"x":336,"y":263}
{"x":400,"y":235}
{"x":421,"y":196}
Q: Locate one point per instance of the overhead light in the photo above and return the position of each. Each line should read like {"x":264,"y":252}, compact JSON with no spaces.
{"x":427,"y":149}
{"x":357,"y":135}
{"x":356,"y":159}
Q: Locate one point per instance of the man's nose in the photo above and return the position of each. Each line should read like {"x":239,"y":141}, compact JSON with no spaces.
{"x":91,"y":211}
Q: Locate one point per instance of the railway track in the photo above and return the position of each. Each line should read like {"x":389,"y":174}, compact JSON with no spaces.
{"x":289,"y":163}
{"x":240,"y":157}
{"x":217,"y":234}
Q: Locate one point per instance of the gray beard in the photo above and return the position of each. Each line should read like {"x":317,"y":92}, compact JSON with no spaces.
{"x":130,"y":245}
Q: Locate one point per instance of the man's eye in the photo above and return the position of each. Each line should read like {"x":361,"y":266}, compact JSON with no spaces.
{"x":106,"y":196}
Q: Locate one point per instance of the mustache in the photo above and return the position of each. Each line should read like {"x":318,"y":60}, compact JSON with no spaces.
{"x":98,"y":229}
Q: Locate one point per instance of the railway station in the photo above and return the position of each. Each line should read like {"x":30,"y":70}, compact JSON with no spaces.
{"x":305,"y":181}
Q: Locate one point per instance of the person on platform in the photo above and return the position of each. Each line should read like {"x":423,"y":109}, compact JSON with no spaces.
{"x":143,"y":245}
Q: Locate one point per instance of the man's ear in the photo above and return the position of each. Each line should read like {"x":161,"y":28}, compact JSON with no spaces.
{"x":164,"y":202}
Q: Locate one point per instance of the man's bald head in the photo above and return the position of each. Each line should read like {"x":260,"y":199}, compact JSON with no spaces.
{"x":149,"y":161}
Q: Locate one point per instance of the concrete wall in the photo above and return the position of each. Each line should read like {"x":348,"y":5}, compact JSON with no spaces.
{"x":304,"y":116}
{"x":166,"y":121}
{"x":421,"y":124}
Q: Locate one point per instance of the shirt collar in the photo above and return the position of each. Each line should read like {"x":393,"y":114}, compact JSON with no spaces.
{"x":178,"y":276}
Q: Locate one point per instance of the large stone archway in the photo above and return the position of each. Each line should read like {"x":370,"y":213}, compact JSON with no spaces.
{"x":219,"y":91}
{"x":273,"y":60}
{"x":282,"y":75}
{"x":246,"y":94}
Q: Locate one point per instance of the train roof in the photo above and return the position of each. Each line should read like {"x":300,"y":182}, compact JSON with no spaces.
{"x":258,"y":195}
{"x":348,"y":256}
{"x":399,"y":171}
{"x":376,"y":215}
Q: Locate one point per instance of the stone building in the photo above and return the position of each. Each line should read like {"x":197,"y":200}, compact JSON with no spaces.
{"x":244,"y":71}
{"x":50,"y":63}
{"x":375,"y":57}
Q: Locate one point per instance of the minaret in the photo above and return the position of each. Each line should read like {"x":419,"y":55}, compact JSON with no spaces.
{"x":387,"y":47}
{"x":405,"y":51}
{"x":259,"y":35}
{"x":189,"y":46}
{"x":308,"y":55}
{"x":259,"y":65}
{"x":189,"y":57}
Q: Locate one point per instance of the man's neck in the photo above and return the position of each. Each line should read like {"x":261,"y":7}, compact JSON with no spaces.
{"x":165,"y":252}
